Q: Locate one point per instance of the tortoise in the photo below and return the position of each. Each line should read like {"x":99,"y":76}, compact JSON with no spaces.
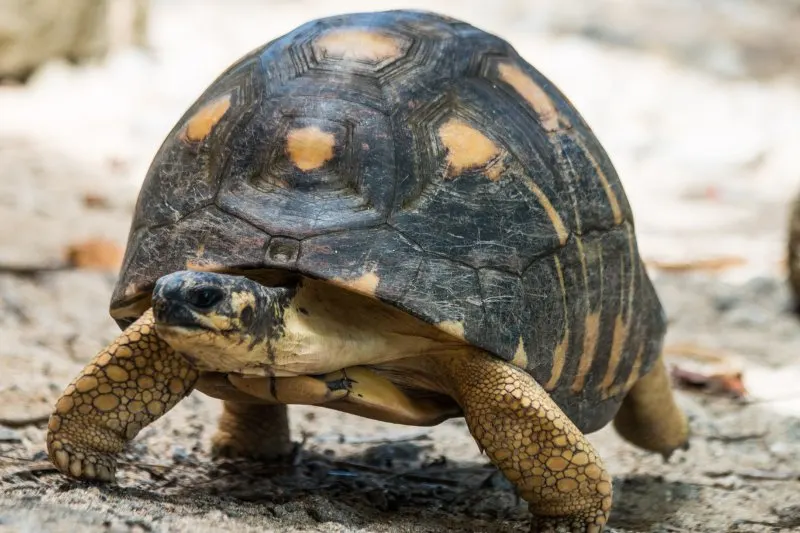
{"x":394,"y":215}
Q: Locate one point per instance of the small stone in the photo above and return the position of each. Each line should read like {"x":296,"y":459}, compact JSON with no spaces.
{"x":384,"y":455}
{"x":726,"y":301}
{"x":9,"y":435}
{"x":180,"y":455}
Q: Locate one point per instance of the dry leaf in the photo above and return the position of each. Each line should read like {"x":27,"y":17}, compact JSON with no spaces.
{"x":726,"y":384}
{"x":95,"y":254}
{"x":95,"y":201}
{"x":708,"y":369}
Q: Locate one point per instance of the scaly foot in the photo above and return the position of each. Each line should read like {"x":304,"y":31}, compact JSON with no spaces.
{"x":127,"y":386}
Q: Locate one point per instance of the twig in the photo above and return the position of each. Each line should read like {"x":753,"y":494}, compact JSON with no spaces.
{"x":427,"y":479}
{"x":736,"y":438}
{"x":756,"y":475}
{"x":35,"y":467}
{"x":153,"y":469}
{"x":16,"y":459}
{"x":22,"y":422}
{"x":788,"y":397}
{"x":407,"y":475}
{"x":735,"y":525}
{"x":710,"y":264}
{"x":33,"y":270}
{"x":157,"y":471}
{"x":341,"y":439}
{"x":697,"y":352}
{"x":768,"y":476}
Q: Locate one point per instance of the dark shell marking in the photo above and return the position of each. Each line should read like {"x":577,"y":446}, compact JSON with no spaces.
{"x":430,"y":156}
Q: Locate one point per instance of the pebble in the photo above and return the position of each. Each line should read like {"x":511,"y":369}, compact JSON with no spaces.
{"x":180,"y":455}
{"x":9,"y":435}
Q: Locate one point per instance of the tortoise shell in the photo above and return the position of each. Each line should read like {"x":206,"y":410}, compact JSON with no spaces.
{"x":421,"y":161}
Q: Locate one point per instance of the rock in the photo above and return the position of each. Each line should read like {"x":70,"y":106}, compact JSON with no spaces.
{"x":180,"y":455}
{"x":386,"y":454}
{"x":33,"y":32}
{"x":9,"y":435}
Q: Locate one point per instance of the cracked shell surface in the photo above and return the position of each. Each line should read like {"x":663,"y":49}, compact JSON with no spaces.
{"x":430,"y":154}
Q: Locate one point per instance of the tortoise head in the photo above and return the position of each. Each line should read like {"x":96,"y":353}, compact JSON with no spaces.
{"x":197,"y":312}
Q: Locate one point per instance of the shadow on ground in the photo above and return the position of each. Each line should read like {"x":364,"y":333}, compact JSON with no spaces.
{"x":381,"y":486}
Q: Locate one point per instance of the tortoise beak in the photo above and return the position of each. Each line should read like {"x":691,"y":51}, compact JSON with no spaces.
{"x":174,"y":314}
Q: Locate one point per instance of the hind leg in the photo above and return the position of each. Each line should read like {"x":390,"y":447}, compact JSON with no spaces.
{"x":253,"y":431}
{"x":249,"y":427}
{"x":254,"y":423}
{"x":649,"y":417}
{"x":527,"y":436}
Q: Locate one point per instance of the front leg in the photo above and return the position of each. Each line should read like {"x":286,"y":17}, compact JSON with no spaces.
{"x":525,"y":434}
{"x":127,"y":386}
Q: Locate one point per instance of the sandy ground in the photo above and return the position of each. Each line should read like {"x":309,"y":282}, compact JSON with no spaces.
{"x":709,"y":166}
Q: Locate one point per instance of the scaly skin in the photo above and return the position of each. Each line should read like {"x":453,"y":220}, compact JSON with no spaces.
{"x":525,"y":434}
{"x":127,"y":386}
{"x":252,"y":430}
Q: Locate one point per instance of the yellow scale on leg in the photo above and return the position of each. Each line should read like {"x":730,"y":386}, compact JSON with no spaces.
{"x":127,"y":386}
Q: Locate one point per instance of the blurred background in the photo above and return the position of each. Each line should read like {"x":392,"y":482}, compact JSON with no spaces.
{"x":696,"y":101}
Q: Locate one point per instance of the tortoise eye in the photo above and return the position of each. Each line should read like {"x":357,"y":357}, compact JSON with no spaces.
{"x":205,"y":297}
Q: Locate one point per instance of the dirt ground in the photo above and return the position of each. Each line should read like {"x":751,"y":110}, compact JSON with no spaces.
{"x":709,"y":165}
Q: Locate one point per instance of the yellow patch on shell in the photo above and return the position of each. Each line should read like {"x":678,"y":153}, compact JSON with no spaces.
{"x":559,"y":358}
{"x":360,"y":45}
{"x":131,"y":289}
{"x":468,"y":148}
{"x":453,"y":327}
{"x":610,"y":194}
{"x":633,"y":376}
{"x":520,"y":356}
{"x":552,"y":214}
{"x":366,"y":284}
{"x":622,"y":327}
{"x":309,"y":148}
{"x":560,"y":353}
{"x":198,"y":265}
{"x":620,"y":335}
{"x":591,"y":334}
{"x":203,"y":121}
{"x":532,"y":93}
